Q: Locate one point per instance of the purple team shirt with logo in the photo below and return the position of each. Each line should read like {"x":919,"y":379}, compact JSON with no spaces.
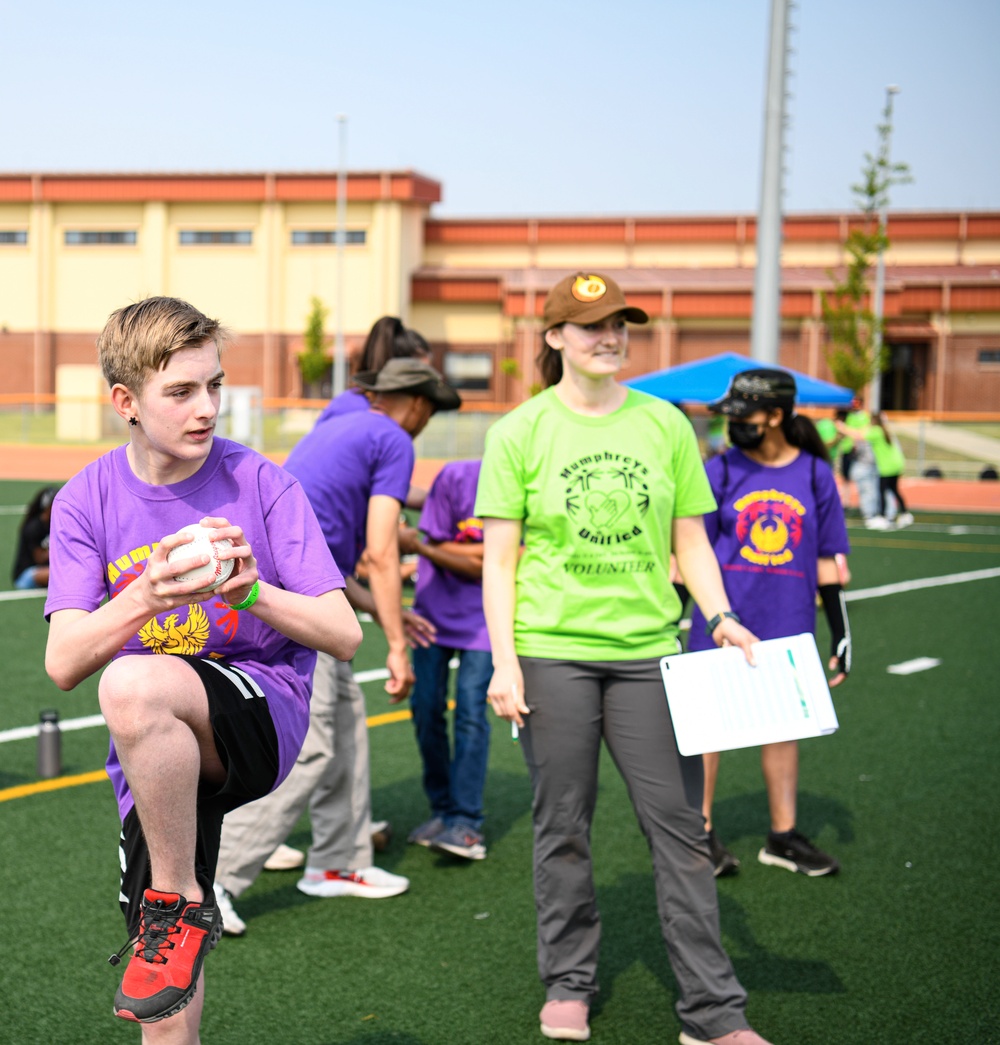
{"x":105,"y":524}
{"x":771,"y":526}
{"x":451,"y":602}
{"x":343,"y":462}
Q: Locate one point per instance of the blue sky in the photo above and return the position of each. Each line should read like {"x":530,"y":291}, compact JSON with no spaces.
{"x":636,"y":106}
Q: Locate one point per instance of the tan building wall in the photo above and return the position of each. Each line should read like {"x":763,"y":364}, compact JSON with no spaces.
{"x":474,"y":288}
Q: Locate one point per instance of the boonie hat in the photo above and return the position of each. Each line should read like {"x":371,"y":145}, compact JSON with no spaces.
{"x":759,"y":389}
{"x":410,"y":377}
{"x":587,"y":298}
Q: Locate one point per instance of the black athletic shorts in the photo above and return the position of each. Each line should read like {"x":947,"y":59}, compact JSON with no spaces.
{"x":248,"y":746}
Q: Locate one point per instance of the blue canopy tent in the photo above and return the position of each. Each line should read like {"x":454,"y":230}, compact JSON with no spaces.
{"x":706,"y":380}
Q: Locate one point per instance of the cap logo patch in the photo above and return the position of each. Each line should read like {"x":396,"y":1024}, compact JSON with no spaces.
{"x":589,"y":288}
{"x":751,"y":385}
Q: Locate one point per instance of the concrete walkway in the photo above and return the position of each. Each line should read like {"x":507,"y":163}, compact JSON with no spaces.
{"x":949,"y":437}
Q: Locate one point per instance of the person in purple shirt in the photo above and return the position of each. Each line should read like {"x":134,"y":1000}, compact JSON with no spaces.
{"x":205,"y":692}
{"x":387,"y":339}
{"x":450,"y":595}
{"x":776,"y":533}
{"x":355,"y":470}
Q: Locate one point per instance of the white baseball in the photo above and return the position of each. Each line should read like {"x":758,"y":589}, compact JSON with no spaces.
{"x":216,"y":570}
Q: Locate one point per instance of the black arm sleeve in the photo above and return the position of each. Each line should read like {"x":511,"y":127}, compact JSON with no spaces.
{"x":835,"y":607}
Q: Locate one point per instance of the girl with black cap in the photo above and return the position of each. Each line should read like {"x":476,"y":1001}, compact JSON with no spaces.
{"x":776,"y":532}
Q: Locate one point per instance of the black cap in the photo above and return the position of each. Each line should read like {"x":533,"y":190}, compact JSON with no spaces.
{"x":753,"y":390}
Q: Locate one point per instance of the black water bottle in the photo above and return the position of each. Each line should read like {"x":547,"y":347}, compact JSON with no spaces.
{"x":49,"y":746}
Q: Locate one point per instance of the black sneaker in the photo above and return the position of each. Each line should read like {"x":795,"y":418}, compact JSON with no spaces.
{"x":724,"y":861}
{"x":795,"y":852}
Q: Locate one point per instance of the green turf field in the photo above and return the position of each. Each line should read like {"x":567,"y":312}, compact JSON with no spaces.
{"x":901,"y":947}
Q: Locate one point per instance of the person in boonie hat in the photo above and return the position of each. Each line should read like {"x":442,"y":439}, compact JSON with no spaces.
{"x":581,"y":299}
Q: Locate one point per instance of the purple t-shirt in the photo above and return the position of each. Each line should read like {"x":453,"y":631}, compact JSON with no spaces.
{"x":451,"y":602}
{"x":771,"y":526}
{"x":350,"y":402}
{"x":105,"y":523}
{"x":343,"y":462}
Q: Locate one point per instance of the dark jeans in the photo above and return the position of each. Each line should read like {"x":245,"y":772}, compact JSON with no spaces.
{"x":454,"y":785}
{"x":890,"y":484}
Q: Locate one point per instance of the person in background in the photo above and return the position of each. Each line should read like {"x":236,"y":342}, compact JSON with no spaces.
{"x":777,"y":529}
{"x":205,"y":691}
{"x":604,"y":483}
{"x":858,"y":462}
{"x":31,"y":561}
{"x":450,"y":595}
{"x":890,"y":462}
{"x":387,"y":339}
{"x":355,"y":470}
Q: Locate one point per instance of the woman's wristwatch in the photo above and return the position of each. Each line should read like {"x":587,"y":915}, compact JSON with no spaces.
{"x":719,"y":618}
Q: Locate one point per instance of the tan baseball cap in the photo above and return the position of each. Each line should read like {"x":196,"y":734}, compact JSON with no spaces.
{"x":587,"y":297}
{"x":410,"y":376}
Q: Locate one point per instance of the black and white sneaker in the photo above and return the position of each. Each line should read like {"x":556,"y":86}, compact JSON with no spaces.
{"x":722,"y":859}
{"x":794,"y":852}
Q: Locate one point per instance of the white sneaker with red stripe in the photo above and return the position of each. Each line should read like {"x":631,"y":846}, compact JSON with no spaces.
{"x":370,"y":882}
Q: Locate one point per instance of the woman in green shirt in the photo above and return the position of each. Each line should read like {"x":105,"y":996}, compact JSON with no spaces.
{"x":890,"y":462}
{"x":602,"y":483}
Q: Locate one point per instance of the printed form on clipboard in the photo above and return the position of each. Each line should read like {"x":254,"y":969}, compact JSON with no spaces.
{"x":719,"y":702}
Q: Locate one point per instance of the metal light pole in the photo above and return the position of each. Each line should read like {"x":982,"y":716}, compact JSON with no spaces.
{"x":339,"y":355}
{"x":883,"y":218}
{"x":765,"y":329}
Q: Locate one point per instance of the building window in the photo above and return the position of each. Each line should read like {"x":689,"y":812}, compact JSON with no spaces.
{"x":989,"y":355}
{"x":324,"y":237}
{"x":76,"y":238}
{"x":13,"y":236}
{"x":471,"y":371}
{"x":216,"y":237}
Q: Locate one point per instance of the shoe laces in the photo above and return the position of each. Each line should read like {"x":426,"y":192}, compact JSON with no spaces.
{"x":153,"y":938}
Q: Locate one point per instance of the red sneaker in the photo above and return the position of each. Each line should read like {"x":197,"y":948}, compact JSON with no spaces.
{"x":162,"y":975}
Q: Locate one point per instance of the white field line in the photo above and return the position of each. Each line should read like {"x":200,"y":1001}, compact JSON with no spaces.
{"x":376,"y":674}
{"x":911,"y":667}
{"x":925,"y":582}
{"x":26,"y":732}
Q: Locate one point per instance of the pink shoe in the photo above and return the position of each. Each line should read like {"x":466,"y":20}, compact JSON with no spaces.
{"x":565,"y":1020}
{"x":734,"y":1037}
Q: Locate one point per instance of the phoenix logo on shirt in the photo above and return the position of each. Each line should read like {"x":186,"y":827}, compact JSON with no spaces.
{"x":769,"y":525}
{"x":169,"y":634}
{"x":606,"y":496}
{"x":469,"y":531}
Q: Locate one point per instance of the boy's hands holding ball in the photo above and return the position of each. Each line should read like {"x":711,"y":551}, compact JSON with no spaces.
{"x":214,"y":555}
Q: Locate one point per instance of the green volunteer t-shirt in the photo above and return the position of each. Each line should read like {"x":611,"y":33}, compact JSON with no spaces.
{"x":597,"y":496}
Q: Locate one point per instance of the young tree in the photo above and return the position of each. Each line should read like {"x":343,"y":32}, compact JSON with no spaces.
{"x":856,"y":353}
{"x":314,"y":362}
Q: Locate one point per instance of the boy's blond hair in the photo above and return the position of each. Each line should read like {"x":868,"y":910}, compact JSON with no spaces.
{"x":138,"y":340}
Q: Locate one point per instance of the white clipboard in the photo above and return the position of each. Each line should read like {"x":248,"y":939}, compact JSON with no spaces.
{"x":719,"y":702}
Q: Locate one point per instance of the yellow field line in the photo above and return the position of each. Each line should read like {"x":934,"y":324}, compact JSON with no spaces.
{"x":59,"y":783}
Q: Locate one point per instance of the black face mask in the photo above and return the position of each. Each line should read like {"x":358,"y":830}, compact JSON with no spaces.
{"x":744,"y":436}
